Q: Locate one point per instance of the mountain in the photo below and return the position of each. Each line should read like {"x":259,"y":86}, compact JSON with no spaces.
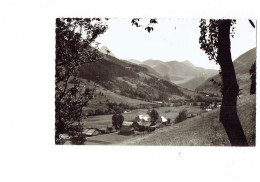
{"x":134,"y":61}
{"x":105,"y":50}
{"x":242,"y":66}
{"x":130,"y":80}
{"x":184,"y":74}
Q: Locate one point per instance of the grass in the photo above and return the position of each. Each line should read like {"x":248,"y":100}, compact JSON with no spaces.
{"x":101,"y":121}
{"x":203,"y":130}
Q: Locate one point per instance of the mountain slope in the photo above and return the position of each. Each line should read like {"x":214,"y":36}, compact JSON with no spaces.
{"x":105,"y":50}
{"x":242,"y":66}
{"x":128,"y":79}
{"x":134,"y":61}
{"x":184,"y":73}
{"x":202,"y":130}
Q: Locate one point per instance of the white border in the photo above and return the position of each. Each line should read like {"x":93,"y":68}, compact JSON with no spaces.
{"x":28,"y":152}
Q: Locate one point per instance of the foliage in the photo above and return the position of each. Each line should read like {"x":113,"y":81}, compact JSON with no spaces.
{"x":74,"y":40}
{"x":252,"y":71}
{"x":154,"y":115}
{"x":78,"y":139}
{"x":182,"y":116}
{"x":209,"y":37}
{"x":117,"y":121}
{"x":148,"y":27}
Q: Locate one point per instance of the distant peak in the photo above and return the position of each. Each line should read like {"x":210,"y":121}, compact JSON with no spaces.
{"x":105,"y":50}
{"x":187,"y":63}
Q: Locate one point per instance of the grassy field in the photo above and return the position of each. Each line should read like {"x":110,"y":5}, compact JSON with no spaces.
{"x":203,"y":130}
{"x":102,"y":121}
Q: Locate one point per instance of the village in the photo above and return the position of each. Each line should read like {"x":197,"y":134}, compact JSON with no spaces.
{"x":101,"y":129}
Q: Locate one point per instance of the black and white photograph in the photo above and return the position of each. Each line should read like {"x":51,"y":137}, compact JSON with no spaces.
{"x":155,"y":81}
{"x":156,"y":91}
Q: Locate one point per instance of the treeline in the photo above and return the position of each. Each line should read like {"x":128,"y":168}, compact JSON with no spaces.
{"x":112,"y":108}
{"x":105,"y":70}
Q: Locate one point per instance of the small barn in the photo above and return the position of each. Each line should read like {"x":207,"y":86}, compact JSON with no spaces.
{"x":127,"y":128}
{"x":91,"y":132}
{"x":143,"y":117}
{"x":162,"y":119}
{"x":104,"y":130}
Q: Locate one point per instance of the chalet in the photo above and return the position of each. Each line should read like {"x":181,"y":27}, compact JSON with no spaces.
{"x":104,"y":130}
{"x":127,"y":111}
{"x":127,"y":128}
{"x":218,"y":104}
{"x":91,"y":132}
{"x":143,"y":117}
{"x":162,"y":119}
{"x":189,"y":115}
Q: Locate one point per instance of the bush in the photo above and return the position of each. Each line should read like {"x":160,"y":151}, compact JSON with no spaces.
{"x":117,"y":121}
{"x":154,"y":115}
{"x":182,"y":116}
{"x":78,"y":139}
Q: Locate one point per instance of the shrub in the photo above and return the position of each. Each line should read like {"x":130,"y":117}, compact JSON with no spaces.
{"x":78,"y":139}
{"x":154,"y":115}
{"x":182,"y":116}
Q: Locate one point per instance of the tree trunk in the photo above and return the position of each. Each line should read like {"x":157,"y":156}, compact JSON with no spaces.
{"x":228,"y":112}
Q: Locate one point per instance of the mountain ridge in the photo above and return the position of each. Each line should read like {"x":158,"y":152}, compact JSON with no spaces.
{"x":242,"y":64}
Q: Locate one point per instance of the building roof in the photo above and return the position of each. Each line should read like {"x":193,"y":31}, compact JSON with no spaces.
{"x":144,"y":123}
{"x":163,"y":119}
{"x":127,"y":123}
{"x":126,"y":128}
{"x":89,"y":131}
{"x":144,"y":117}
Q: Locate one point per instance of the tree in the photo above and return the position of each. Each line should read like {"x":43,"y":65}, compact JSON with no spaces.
{"x":117,"y":121}
{"x":182,"y":116}
{"x":74,"y":47}
{"x":252,"y":71}
{"x":215,"y":41}
{"x":154,"y":115}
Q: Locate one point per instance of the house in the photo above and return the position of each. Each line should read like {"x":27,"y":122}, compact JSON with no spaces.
{"x":208,"y":109}
{"x":162,"y":119}
{"x":104,"y":130}
{"x":126,"y":130}
{"x":143,"y":117}
{"x":218,"y":104}
{"x":189,"y":115}
{"x":127,"y":111}
{"x":91,"y":132}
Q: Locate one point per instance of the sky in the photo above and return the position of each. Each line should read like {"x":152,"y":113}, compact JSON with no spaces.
{"x":172,"y":39}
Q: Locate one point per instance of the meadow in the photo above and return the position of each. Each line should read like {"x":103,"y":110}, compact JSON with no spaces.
{"x":102,"y":121}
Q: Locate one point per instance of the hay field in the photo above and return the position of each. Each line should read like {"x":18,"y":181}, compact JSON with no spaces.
{"x":203,"y":130}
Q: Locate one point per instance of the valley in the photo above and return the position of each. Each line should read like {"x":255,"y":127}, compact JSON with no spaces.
{"x":133,"y":88}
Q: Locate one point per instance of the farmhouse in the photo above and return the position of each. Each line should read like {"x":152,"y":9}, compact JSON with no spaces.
{"x":104,"y":130}
{"x":144,"y":117}
{"x":91,"y":132}
{"x":162,"y":119}
{"x":127,"y":128}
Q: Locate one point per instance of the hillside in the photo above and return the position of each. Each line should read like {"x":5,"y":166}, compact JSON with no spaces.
{"x":134,"y":61}
{"x":130,"y":80}
{"x":203,"y":130}
{"x":242,"y":66}
{"x":105,"y":50}
{"x":184,"y":74}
